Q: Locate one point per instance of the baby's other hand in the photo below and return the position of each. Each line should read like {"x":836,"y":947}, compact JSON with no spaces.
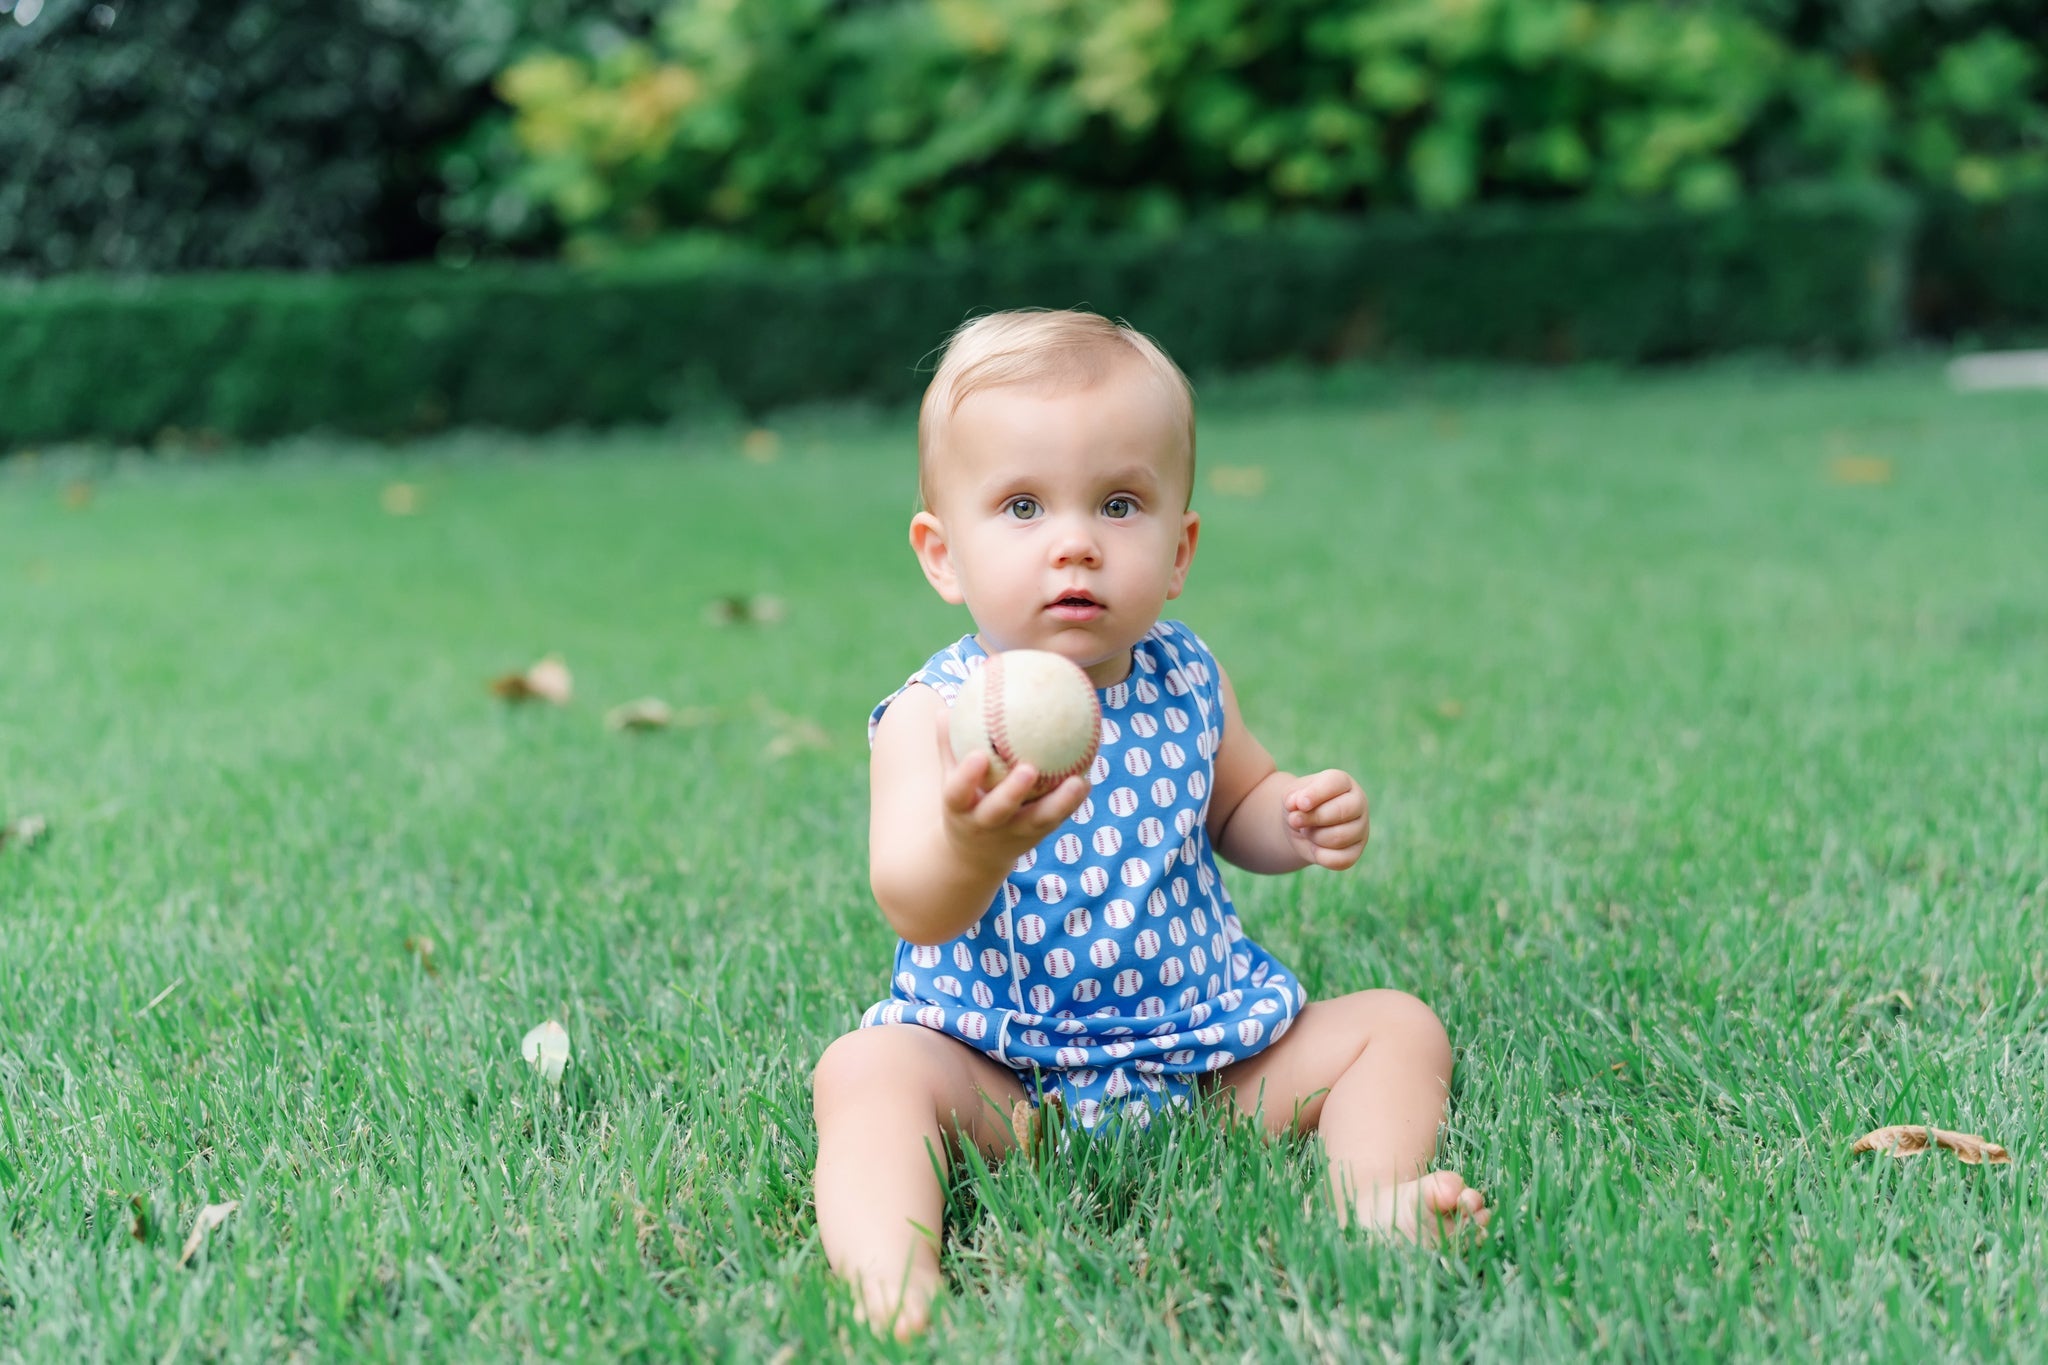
{"x":1327,"y":821}
{"x":999,"y":824}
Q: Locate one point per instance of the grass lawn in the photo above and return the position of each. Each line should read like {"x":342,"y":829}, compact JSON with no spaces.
{"x":1708,"y":799}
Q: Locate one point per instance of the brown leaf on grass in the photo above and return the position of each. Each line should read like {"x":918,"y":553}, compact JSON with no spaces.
{"x":762,"y":609}
{"x":78,"y":494}
{"x":1910,"y":1139}
{"x":1238,"y":481}
{"x":210,"y":1217}
{"x":401,"y":499}
{"x":793,"y":734}
{"x":24,"y":833}
{"x":761,"y":445}
{"x":796,"y":736}
{"x":422,"y":947}
{"x":1038,"y":1129}
{"x":138,"y":1226}
{"x":547,"y":680}
{"x":1854,"y":470}
{"x":648,"y":713}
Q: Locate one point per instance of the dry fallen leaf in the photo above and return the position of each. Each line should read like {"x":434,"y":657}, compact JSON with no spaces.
{"x":762,"y":609}
{"x":78,"y":494}
{"x":547,"y":680}
{"x":210,"y":1217}
{"x":1859,"y":469}
{"x":648,"y":713}
{"x":401,"y":499}
{"x":796,"y":735}
{"x":761,"y":445}
{"x":1238,"y":481}
{"x":1038,"y":1129}
{"x":547,"y":1047}
{"x":138,"y":1226}
{"x":24,"y":833}
{"x":422,"y":947}
{"x":1910,"y":1139}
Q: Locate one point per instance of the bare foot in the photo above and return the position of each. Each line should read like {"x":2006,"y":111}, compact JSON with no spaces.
{"x":877,"y":1306}
{"x":1437,"y":1205}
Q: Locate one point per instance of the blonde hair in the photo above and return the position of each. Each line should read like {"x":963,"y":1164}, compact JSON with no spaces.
{"x":1055,"y":349}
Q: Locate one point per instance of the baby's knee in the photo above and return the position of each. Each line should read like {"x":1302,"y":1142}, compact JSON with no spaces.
{"x":1399,"y":1015}
{"x":861,"y":1066}
{"x":850,"y":1066}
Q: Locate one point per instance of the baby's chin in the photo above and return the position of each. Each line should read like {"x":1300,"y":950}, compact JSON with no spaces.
{"x":1105,"y":655}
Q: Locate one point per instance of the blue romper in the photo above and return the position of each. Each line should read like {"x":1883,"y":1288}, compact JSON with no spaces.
{"x":1110,"y":966}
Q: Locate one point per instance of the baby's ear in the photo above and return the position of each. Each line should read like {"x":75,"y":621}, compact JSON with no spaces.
{"x":1184,"y":553}
{"x":935,"y":557}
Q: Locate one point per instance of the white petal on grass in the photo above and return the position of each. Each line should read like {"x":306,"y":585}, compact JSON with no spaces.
{"x":210,"y":1217}
{"x":546,"y":1046}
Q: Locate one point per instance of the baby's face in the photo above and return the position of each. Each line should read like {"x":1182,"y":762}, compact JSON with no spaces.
{"x":1059,"y":518}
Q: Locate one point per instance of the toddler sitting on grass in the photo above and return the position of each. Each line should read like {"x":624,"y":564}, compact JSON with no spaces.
{"x":1079,"y":951}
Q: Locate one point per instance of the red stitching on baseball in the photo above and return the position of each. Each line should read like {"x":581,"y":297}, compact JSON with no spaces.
{"x":992,"y":710}
{"x":1080,"y":765}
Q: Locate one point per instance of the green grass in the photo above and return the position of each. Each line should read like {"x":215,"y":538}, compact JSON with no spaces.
{"x":1708,"y":806}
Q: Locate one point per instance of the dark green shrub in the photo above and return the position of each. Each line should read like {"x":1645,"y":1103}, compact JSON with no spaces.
{"x":391,"y":351}
{"x":1981,"y":270}
{"x":214,"y":134}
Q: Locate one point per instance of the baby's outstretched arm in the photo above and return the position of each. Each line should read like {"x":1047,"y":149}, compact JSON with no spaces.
{"x":940,"y":841}
{"x":1265,"y":820}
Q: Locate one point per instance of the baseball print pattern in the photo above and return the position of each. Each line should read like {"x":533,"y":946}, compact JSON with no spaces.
{"x":1110,"y":967}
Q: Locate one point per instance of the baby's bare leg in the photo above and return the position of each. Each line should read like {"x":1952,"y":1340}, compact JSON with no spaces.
{"x":891,"y":1101}
{"x":1371,"y":1073}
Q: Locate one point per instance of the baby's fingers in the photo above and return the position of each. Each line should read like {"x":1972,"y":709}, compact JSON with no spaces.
{"x":1338,"y":810}
{"x":1050,"y":811}
{"x":962,"y":784}
{"x":1006,"y":798}
{"x":1337,"y":846}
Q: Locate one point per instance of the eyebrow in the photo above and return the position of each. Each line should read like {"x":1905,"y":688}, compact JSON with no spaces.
{"x":1128,"y":476}
{"x":1133,"y":476}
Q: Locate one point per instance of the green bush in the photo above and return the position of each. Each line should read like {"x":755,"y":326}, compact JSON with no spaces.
{"x":818,"y":121}
{"x":1982,"y":269}
{"x":646,"y":338}
{"x":182,"y":134}
{"x":933,"y":120}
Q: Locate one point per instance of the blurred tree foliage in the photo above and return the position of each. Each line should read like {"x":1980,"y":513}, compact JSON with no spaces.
{"x":852,"y":121}
{"x":152,"y":135}
{"x":155,"y":135}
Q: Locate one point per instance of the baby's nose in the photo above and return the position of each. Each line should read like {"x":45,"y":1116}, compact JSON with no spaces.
{"x":1076,"y":545}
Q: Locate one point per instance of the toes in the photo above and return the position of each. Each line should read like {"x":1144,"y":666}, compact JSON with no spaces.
{"x":1444,"y":1191}
{"x":1471,"y":1203}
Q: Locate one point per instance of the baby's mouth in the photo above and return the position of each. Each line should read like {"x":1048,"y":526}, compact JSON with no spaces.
{"x":1076,"y":606}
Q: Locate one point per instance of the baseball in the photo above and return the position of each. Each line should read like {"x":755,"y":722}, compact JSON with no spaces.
{"x":1028,"y":706}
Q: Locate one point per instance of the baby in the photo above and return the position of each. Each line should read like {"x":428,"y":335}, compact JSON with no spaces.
{"x":1080,"y":947}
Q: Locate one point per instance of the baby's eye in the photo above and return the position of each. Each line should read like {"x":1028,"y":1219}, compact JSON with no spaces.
{"x":1119,"y":507}
{"x":1023,"y":509}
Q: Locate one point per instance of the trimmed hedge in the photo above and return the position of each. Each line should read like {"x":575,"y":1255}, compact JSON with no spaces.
{"x":392,"y":351}
{"x":1982,"y":269}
